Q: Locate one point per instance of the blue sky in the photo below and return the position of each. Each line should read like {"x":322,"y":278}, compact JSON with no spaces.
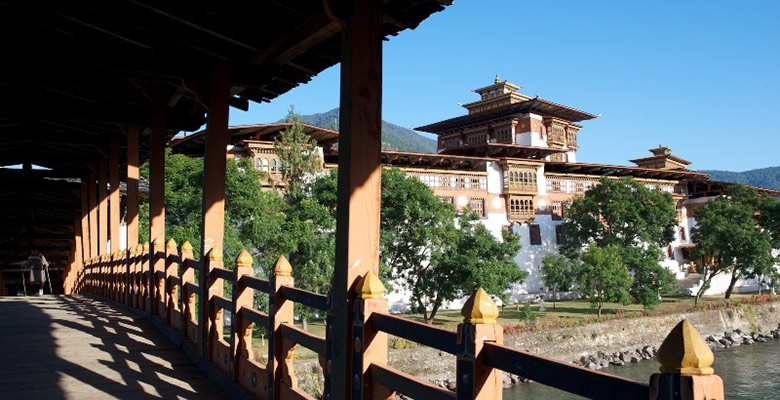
{"x":699,"y":76}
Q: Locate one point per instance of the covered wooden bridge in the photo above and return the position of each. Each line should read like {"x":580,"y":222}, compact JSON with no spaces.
{"x":89,"y":90}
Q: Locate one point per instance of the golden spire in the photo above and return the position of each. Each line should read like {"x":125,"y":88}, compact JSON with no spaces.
{"x":371,"y":287}
{"x":479,"y":309}
{"x":282,"y":267}
{"x":685,"y":352}
{"x":244,"y":259}
{"x":186,"y":247}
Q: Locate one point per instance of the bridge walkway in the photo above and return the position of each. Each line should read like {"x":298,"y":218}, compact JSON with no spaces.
{"x":73,"y":347}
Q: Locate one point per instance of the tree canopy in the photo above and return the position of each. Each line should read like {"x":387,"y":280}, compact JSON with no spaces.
{"x":636,"y":220}
{"x":730,"y":234}
{"x":602,"y":277}
{"x":557,"y":273}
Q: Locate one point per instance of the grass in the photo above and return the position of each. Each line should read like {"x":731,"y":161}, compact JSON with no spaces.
{"x":579,"y":312}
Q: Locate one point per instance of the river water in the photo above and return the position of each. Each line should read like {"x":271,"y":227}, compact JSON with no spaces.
{"x":748,"y":372}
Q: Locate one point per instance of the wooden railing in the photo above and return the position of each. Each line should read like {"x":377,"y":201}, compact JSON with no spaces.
{"x":161,"y":282}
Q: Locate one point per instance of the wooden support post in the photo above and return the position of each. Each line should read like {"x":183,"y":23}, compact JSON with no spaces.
{"x":280,"y":350}
{"x":188,"y":323}
{"x":156,"y":193}
{"x":210,"y":322}
{"x":359,"y":180}
{"x":241,"y":330}
{"x":214,"y":164}
{"x":686,"y":368}
{"x":369,"y":346}
{"x":132,"y":195}
{"x":171,"y":291}
{"x":475,"y":380}
{"x":113,"y":194}
{"x":102,"y":205}
{"x":85,"y":246}
{"x":93,"y":214}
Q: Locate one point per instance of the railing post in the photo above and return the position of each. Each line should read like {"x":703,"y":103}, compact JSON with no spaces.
{"x":686,"y":372}
{"x":138,"y":277}
{"x":241,"y":331}
{"x":114,"y":276}
{"x":131,"y":283}
{"x":368,"y":346}
{"x":146,"y":278}
{"x":475,"y":380}
{"x":280,"y":350}
{"x":104,"y":259}
{"x":212,"y":324}
{"x":157,"y":287}
{"x":188,"y":299}
{"x":171,"y":291}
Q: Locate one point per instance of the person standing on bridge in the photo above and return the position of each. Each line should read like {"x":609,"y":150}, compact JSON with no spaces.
{"x":37,"y":265}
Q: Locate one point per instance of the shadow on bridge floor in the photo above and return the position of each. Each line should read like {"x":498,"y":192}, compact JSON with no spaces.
{"x":68,"y":347}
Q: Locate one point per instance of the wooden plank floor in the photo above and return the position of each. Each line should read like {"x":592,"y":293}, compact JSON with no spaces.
{"x":69,"y":347}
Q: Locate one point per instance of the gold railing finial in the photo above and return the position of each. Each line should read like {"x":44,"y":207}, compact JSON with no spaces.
{"x":282,"y":267}
{"x":139,"y":249}
{"x":171,"y":245}
{"x":146,"y":247}
{"x":685,"y":352}
{"x":244,"y":259}
{"x":159,"y":241}
{"x":479,"y":309}
{"x":215,"y":254}
{"x":371,"y":286}
{"x":186,"y":247}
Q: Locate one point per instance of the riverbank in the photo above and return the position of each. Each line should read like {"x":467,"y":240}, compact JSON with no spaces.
{"x":600,"y":343}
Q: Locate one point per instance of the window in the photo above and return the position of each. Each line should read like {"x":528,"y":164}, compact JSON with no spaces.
{"x":259,"y":164}
{"x":670,"y":251}
{"x":478,"y":205}
{"x":682,"y":233}
{"x":536,"y":234}
{"x":265,"y":165}
{"x":273,"y":165}
{"x":557,"y":210}
{"x":521,"y":208}
{"x":559,"y":234}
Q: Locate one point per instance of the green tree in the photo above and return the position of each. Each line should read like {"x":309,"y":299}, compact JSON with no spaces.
{"x":603,"y":277}
{"x":436,"y":253}
{"x":557,"y":273}
{"x":298,"y":154}
{"x":729,"y":235}
{"x":639,"y":221}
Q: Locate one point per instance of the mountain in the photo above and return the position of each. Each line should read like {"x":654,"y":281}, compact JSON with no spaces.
{"x":394,"y":137}
{"x":763,"y":177}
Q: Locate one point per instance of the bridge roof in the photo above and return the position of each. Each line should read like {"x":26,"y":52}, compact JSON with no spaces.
{"x":78,"y":73}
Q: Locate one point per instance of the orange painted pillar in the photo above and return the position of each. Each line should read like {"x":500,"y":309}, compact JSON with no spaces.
{"x":102,"y":205}
{"x":113,"y":194}
{"x":156,"y":193}
{"x":131,"y":217}
{"x":93,"y":215}
{"x":359,"y":180}
{"x":85,"y":246}
{"x":214,"y":163}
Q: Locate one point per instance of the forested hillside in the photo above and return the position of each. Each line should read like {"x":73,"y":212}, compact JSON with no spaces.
{"x":394,"y":137}
{"x":764,"y":177}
